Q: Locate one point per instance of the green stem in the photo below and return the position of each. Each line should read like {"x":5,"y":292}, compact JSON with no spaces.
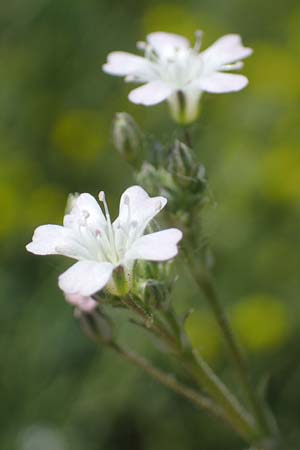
{"x":204,"y":375}
{"x":170,"y":381}
{"x":205,"y":284}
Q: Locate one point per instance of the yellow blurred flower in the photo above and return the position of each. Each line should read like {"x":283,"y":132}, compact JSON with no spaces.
{"x":281,"y":174}
{"x":80,"y":135}
{"x":274,"y":72}
{"x":9,"y":205}
{"x":45,"y":204}
{"x":203,"y":332}
{"x":261,"y":322}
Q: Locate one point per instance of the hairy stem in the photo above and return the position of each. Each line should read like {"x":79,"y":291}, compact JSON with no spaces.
{"x":168,"y":380}
{"x":204,"y":282}
{"x":202,"y":373}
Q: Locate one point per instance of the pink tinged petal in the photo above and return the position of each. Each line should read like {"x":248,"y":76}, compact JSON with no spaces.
{"x":166,"y":44}
{"x":222,"y":82}
{"x":123,"y":64}
{"x":47,"y":239}
{"x":137,"y":206}
{"x":159,"y":246}
{"x":87,"y":210}
{"x":86,"y":304}
{"x":150,"y":94}
{"x":226,"y":50}
{"x":85,"y":277}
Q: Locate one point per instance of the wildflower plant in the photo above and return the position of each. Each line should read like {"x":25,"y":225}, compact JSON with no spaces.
{"x":128,"y":263}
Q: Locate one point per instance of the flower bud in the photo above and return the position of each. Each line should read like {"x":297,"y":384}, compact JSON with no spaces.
{"x":154,"y":293}
{"x":182,"y":164}
{"x":185,"y":169}
{"x":127,"y":138}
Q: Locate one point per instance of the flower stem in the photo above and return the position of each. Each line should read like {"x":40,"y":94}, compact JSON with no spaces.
{"x":204,"y":282}
{"x":199,"y":400}
{"x":202,"y":373}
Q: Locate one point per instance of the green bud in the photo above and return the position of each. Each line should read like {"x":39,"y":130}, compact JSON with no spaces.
{"x":127,"y":138}
{"x":154,"y":293}
{"x":182,"y":164}
{"x":185,"y":169}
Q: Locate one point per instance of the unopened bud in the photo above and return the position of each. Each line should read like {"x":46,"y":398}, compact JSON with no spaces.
{"x":154,"y":293}
{"x":127,"y":138}
{"x":182,"y":164}
{"x":185,"y":169}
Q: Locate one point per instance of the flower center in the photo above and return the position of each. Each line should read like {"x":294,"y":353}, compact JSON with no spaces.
{"x":179,"y":66}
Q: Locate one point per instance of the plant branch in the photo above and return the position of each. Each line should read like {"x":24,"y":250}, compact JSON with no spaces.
{"x":205,"y":284}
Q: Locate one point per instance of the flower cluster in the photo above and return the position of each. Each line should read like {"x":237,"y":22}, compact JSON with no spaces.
{"x":172,"y":70}
{"x":105,"y":251}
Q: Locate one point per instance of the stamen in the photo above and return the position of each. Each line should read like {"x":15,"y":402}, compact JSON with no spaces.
{"x":103,"y":200}
{"x":141,"y":45}
{"x":109,"y":224}
{"x":198,"y":42}
{"x":158,"y":205}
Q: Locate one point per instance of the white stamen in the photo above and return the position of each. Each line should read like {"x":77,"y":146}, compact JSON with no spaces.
{"x":109,"y":224}
{"x":158,"y":205}
{"x":141,"y":45}
{"x":198,"y":43}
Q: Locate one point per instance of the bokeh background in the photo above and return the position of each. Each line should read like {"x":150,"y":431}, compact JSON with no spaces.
{"x":59,"y":392}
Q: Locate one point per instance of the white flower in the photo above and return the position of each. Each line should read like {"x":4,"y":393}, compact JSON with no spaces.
{"x":102,"y":247}
{"x":175,"y":72}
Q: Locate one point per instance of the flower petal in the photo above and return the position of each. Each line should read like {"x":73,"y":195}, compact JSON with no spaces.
{"x":226,"y":50}
{"x":219,"y":82}
{"x":87,"y":210}
{"x":86,"y":304}
{"x":166,"y":44}
{"x":150,"y":93}
{"x":159,"y":246}
{"x":137,"y":206}
{"x":123,"y":63}
{"x":47,"y":239}
{"x":85,"y":277}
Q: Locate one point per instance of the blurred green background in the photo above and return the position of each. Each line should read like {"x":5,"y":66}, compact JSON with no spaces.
{"x":59,"y":392}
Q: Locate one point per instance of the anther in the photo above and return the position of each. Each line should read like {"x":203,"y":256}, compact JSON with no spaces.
{"x":141,"y":45}
{"x":101,"y":196}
